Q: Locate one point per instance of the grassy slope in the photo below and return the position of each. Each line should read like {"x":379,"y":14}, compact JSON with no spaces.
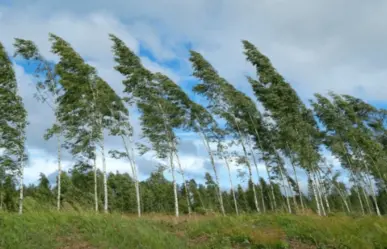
{"x":70,"y":230}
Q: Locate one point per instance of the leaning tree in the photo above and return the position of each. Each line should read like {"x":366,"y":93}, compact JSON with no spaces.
{"x":13,"y":122}
{"x":48,"y":90}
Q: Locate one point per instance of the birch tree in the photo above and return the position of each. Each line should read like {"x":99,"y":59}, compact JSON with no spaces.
{"x":296,"y":126}
{"x":13,"y":122}
{"x":227,"y":103}
{"x":47,"y":91}
{"x":84,"y":109}
{"x":160,"y":114}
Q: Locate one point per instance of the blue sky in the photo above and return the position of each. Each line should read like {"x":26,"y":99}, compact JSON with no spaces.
{"x":317,"y":45}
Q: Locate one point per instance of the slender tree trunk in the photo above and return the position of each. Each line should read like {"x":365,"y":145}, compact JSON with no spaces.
{"x":95,"y":183}
{"x":59,"y":185}
{"x":296,"y":177}
{"x":232,"y":186}
{"x":366,"y":199}
{"x":343,"y":198}
{"x":373,"y":194}
{"x":285,"y":190}
{"x":257,"y":170}
{"x":174,"y":184}
{"x":318,"y":188}
{"x":21,"y":186}
{"x":185,"y":184}
{"x":133,"y":167}
{"x":137,"y":187}
{"x":356,"y":183}
{"x":105,"y":187}
{"x":294,"y":195}
{"x":315,"y":193}
{"x":249,"y":168}
{"x":207,"y":145}
{"x":352,"y":170}
{"x":323,"y":191}
{"x":273,"y":204}
{"x":172,"y":149}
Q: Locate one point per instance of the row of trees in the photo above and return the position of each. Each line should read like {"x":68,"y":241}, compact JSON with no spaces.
{"x":287,"y":136}
{"x":77,"y":193}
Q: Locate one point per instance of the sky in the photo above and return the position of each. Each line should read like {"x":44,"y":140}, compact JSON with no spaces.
{"x":317,"y":46}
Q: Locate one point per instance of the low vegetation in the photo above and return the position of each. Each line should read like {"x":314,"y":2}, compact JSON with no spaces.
{"x":84,"y":230}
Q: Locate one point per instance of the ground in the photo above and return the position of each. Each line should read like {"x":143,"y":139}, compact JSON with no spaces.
{"x":97,"y":231}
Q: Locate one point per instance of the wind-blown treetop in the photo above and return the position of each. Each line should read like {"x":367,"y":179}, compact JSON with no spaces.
{"x":295,"y":122}
{"x":30,"y":52}
{"x":225,"y":101}
{"x":349,"y":132}
{"x":88,"y":104}
{"x":12,"y":117}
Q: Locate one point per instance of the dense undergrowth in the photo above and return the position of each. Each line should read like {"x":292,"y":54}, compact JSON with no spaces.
{"x":85,"y":230}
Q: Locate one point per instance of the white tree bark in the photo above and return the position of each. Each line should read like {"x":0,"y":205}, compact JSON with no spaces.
{"x":241,"y":138}
{"x":232,"y":186}
{"x":21,"y":186}
{"x":324,"y":191}
{"x":274,"y":203}
{"x":257,"y":170}
{"x":315,"y":194}
{"x":174,"y":185}
{"x":285,"y":190}
{"x":319,"y":197}
{"x":366,"y":199}
{"x":133,"y":166}
{"x":95,"y":184}
{"x":373,"y":194}
{"x":185,"y":184}
{"x":296,"y":177}
{"x":343,"y":198}
{"x":207,"y":145}
{"x":105,"y":188}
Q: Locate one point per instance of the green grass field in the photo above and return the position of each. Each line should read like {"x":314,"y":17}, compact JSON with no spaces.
{"x":75,"y":231}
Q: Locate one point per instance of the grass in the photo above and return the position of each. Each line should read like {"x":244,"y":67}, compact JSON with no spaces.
{"x":83,"y":230}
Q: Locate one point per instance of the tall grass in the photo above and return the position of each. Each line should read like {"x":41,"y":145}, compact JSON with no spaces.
{"x":89,"y":230}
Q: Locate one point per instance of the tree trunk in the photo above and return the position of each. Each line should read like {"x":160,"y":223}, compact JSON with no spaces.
{"x":373,"y":194}
{"x":352,"y":170}
{"x":315,"y":193}
{"x":366,"y":199}
{"x":273,"y":204}
{"x":133,"y":167}
{"x":241,"y":138}
{"x":207,"y":145}
{"x":21,"y":186}
{"x":318,"y":188}
{"x":232,"y":186}
{"x":59,"y":174}
{"x":285,"y":190}
{"x":257,"y":170}
{"x":296,"y":177}
{"x":174,"y":184}
{"x":185,"y":184}
{"x":172,"y":149}
{"x":343,"y":198}
{"x":95,"y":183}
{"x":323,"y":191}
{"x":294,"y":195}
{"x":105,"y":187}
